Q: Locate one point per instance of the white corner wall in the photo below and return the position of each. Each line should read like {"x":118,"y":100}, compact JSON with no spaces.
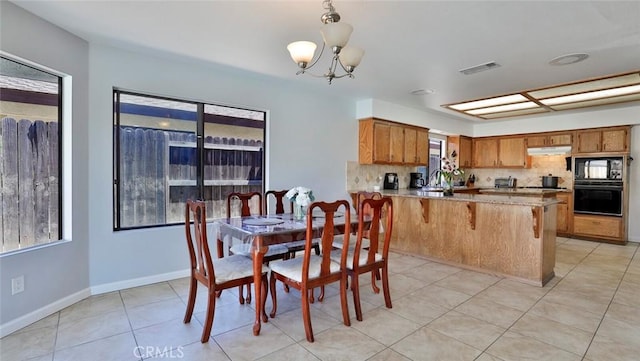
{"x":57,"y":275}
{"x":310,"y":137}
{"x":634,"y":184}
{"x":422,"y":118}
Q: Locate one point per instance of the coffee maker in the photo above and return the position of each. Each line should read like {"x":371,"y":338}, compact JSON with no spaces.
{"x":390,"y":181}
{"x":416,"y":180}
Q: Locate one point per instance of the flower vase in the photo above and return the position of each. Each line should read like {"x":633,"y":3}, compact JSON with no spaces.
{"x":299,"y":211}
{"x":447,"y":190}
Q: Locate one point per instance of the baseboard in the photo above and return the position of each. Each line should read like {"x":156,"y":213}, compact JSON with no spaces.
{"x":136,"y":282}
{"x":37,"y":315}
{"x":23,"y":321}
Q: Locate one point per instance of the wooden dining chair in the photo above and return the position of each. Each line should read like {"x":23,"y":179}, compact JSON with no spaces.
{"x":296,"y":244}
{"x":216,"y":275}
{"x":240,"y":204}
{"x":375,"y":258}
{"x":311,"y":271}
{"x":357,"y":200}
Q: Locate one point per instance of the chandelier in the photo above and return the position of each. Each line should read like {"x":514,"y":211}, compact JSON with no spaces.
{"x":335,"y":36}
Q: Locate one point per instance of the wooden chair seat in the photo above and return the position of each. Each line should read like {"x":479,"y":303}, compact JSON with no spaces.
{"x":292,"y":268}
{"x":234,"y":267}
{"x":363,"y":257}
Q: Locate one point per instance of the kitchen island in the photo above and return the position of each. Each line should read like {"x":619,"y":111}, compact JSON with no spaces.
{"x":511,"y":236}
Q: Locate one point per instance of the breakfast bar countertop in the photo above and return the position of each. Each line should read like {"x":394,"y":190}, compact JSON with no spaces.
{"x":506,"y":199}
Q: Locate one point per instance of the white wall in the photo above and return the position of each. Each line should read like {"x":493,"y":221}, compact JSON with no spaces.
{"x":57,"y":273}
{"x":434,"y":121}
{"x":634,"y":185}
{"x":310,"y":138}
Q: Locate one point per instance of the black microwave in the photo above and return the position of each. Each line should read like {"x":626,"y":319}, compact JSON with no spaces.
{"x":598,"y":168}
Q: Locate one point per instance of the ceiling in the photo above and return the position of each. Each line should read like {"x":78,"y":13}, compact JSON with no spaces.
{"x":409,"y":45}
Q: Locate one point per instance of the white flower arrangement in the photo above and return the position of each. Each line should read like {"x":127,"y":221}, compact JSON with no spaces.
{"x":301,"y":196}
{"x":450,"y":168}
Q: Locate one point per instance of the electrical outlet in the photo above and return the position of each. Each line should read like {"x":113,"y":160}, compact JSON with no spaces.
{"x":17,"y":285}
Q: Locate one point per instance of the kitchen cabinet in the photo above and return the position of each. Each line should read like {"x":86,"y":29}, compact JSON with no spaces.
{"x":485,"y":153}
{"x":609,"y":228}
{"x":602,"y":140}
{"x":502,"y":152}
{"x":565,"y":213}
{"x":463,"y":147}
{"x":512,"y":152}
{"x":549,"y":139}
{"x":386,"y":142}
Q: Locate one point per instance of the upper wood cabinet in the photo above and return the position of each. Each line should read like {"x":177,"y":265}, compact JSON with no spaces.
{"x":385,"y":142}
{"x":463,"y":147}
{"x":500,"y":152}
{"x":422,"y":146}
{"x":549,"y":139}
{"x":602,"y":140}
{"x":485,"y":153}
{"x":512,"y":152}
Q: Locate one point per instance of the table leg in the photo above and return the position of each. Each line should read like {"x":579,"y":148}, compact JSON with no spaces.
{"x":258,"y":255}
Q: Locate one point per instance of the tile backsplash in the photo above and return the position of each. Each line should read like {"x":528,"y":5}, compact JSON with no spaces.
{"x":363,"y":177}
{"x":366,"y":176}
{"x":540,"y":166}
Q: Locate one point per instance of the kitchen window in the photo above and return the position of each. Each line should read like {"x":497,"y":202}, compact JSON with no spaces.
{"x":169,"y":150}
{"x":30,"y":156}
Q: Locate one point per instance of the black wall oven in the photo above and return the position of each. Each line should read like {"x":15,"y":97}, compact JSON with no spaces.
{"x":598,"y":185}
{"x":599,"y":198}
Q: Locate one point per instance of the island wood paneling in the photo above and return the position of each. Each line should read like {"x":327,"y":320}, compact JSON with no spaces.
{"x":502,"y":243}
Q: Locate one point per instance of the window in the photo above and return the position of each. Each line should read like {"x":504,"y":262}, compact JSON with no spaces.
{"x":169,"y":150}
{"x":30,"y":156}
{"x":436,"y":151}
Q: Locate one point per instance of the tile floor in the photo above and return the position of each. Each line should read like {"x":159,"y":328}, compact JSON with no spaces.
{"x":590,"y":311}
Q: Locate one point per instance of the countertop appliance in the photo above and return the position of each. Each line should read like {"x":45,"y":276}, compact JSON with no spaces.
{"x":599,"y":168}
{"x":416,"y":180}
{"x":505,"y":182}
{"x":390,"y":181}
{"x":549,"y":181}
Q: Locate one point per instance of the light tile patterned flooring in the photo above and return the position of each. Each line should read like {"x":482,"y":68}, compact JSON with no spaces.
{"x":589,"y":311}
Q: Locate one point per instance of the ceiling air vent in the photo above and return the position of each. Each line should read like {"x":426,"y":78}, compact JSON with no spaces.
{"x":478,"y":68}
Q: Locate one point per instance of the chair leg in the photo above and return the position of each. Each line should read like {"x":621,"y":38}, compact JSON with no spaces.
{"x":263,"y":297}
{"x":343,"y":300}
{"x":274,"y":301}
{"x":374,"y":277}
{"x":248,"y":299}
{"x":306,"y":314}
{"x":316,"y":248}
{"x":355,"y":290}
{"x":208,"y":321}
{"x":385,"y":287}
{"x":240,"y":295}
{"x":193,"y":289}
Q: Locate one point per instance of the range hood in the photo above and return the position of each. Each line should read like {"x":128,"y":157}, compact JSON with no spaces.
{"x":566,"y":150}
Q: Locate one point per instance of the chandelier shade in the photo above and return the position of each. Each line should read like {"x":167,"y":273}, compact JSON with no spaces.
{"x":351,"y":56}
{"x":302,"y":51}
{"x":335,"y":36}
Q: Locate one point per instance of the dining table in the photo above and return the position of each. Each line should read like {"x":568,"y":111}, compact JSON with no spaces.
{"x":262,"y":231}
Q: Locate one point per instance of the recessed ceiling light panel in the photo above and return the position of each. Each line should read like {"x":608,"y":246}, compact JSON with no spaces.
{"x":508,"y":99}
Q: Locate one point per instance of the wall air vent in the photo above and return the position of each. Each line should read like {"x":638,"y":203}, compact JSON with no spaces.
{"x":478,"y":68}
